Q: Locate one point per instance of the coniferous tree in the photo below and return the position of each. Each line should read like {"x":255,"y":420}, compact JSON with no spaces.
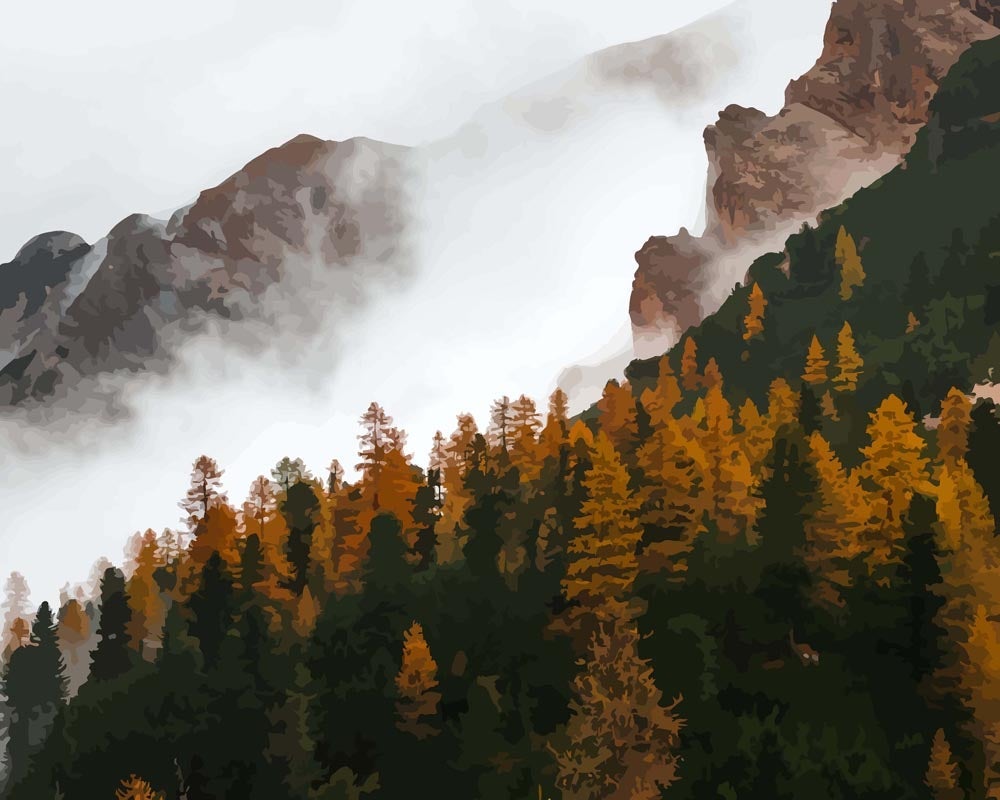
{"x":849,"y":363}
{"x":852,"y":273}
{"x":753,"y":323}
{"x":113,"y":656}
{"x":417,"y":701}
{"x":816,"y":364}
{"x":211,"y":608}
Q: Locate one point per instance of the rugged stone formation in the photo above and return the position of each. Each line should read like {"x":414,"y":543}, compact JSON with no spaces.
{"x":293,"y":219}
{"x":847,"y":121}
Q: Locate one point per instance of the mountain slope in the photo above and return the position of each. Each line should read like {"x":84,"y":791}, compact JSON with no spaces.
{"x":928,"y":235}
{"x":845,"y":122}
{"x":298,"y":214}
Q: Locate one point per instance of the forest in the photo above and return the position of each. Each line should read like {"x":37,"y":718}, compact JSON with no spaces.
{"x":765,"y":565}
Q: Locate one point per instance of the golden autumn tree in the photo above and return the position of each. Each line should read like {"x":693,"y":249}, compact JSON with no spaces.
{"x":621,"y":740}
{"x":690,"y":376}
{"x":755,"y":436}
{"x":712,"y":376}
{"x":894,"y":467}
{"x":852,"y":273}
{"x":135,"y":788}
{"x":953,"y":428}
{"x":731,"y":479}
{"x":942,"y":770}
{"x":554,"y":434}
{"x":619,"y":416}
{"x":835,"y":529}
{"x":459,"y":461}
{"x":602,"y":556}
{"x":980,"y":677}
{"x":673,"y":490}
{"x":782,"y":405}
{"x":144,"y":598}
{"x":526,"y":425}
{"x":912,"y":323}
{"x":753,"y":322}
{"x":416,"y":683}
{"x":849,"y":363}
{"x":816,"y":364}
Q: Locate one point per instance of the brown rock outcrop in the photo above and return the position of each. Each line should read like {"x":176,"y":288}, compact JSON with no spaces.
{"x":847,"y":121}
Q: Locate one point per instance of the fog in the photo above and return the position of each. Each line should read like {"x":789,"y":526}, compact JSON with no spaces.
{"x":531,"y":205}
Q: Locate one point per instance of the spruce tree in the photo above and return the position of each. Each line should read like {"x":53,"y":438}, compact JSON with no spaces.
{"x":114,"y":655}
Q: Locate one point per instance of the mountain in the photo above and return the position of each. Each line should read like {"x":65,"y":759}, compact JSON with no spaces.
{"x":924,"y":311}
{"x":72,"y":313}
{"x":845,"y":122}
{"x":751,"y":572}
{"x":301,"y":234}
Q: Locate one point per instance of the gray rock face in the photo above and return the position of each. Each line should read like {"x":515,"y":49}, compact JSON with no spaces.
{"x":303,"y":214}
{"x":847,"y":121}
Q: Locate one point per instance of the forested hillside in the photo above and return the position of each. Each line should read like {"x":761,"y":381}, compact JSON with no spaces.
{"x":765,"y":567}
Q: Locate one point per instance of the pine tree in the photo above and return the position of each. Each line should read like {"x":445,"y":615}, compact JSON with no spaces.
{"x":782,"y":405}
{"x":211,"y":608}
{"x":942,"y":771}
{"x":16,"y":612}
{"x":835,"y":530}
{"x":849,"y":363}
{"x":894,"y":467}
{"x":816,"y":364}
{"x":622,"y":742}
{"x":500,"y":432}
{"x":690,"y":377}
{"x":753,"y":322}
{"x":301,"y":512}
{"x":619,"y":416}
{"x":953,"y":428}
{"x":205,"y":492}
{"x":852,"y":273}
{"x":289,"y":471}
{"x":379,"y":437}
{"x":602,"y":556}
{"x":34,"y":685}
{"x":135,"y":788}
{"x":113,"y":656}
{"x":148,"y":608}
{"x":417,"y":701}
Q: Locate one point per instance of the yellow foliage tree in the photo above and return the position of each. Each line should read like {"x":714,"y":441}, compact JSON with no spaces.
{"x":852,"y":273}
{"x":728,"y":468}
{"x":912,"y":323}
{"x":816,"y":364}
{"x":835,"y":530}
{"x":602,"y":556}
{"x":755,"y":435}
{"x":894,"y":468}
{"x":690,"y":377}
{"x":753,"y":322}
{"x":674,"y":487}
{"x":619,"y":416}
{"x":782,"y":404}
{"x":953,"y":429}
{"x":416,"y":682}
{"x":849,"y":363}
{"x":144,"y":598}
{"x":135,"y":788}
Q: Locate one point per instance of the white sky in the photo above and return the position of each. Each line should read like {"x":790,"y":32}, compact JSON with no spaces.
{"x":117,"y":107}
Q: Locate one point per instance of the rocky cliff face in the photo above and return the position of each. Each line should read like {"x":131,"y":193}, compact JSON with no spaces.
{"x":847,"y":121}
{"x":293,"y":220}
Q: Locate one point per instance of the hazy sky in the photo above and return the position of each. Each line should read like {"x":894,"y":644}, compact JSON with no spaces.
{"x":112,"y":108}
